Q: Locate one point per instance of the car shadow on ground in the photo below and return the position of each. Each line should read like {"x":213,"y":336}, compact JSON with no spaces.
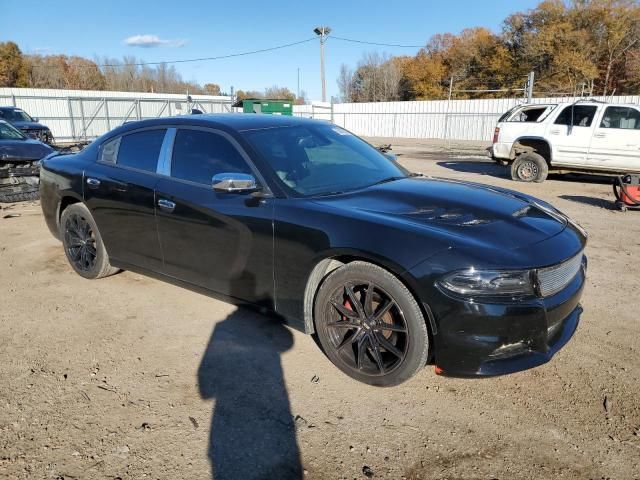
{"x":479,"y":167}
{"x":252,"y":433}
{"x":607,"y":204}
{"x":486,"y":167}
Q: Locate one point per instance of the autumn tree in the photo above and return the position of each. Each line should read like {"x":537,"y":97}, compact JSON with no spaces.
{"x":211,"y":88}
{"x":13,"y":68}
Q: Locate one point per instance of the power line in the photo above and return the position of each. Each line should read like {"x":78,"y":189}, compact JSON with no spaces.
{"x":203,"y":59}
{"x":375,"y":43}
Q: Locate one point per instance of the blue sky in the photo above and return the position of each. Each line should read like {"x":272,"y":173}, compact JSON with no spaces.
{"x":195,"y":29}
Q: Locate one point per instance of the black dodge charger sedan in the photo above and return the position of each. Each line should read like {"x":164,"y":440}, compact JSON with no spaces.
{"x":390,"y":270}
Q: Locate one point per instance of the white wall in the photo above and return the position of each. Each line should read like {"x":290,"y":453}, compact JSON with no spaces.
{"x":85,"y":114}
{"x":456,"y":119}
{"x":79,"y":114}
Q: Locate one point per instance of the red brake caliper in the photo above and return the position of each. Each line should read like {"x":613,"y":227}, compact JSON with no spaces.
{"x":348,"y":306}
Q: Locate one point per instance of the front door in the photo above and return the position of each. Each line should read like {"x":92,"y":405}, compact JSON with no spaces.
{"x":570,"y":135}
{"x":616,"y":140}
{"x":220,"y":241}
{"x":119,"y":191}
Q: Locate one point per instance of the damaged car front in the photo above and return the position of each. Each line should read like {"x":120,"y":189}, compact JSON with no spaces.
{"x":20,"y":158}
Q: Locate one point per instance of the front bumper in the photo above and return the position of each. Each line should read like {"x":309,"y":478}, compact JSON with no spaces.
{"x":482,"y":339}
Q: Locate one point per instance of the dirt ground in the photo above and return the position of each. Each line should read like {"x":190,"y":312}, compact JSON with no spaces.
{"x":129,"y":377}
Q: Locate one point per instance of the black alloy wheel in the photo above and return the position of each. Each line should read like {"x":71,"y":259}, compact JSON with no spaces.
{"x":83,"y":244}
{"x":369,"y":325}
{"x":368,"y":330}
{"x":80,"y":243}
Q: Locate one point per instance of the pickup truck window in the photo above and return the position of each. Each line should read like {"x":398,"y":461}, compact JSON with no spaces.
{"x":621,"y":117}
{"x":582,"y":115}
{"x":528,"y":114}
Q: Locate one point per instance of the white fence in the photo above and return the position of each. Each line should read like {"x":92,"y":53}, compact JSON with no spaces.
{"x":74,"y":115}
{"x":444,"y":119}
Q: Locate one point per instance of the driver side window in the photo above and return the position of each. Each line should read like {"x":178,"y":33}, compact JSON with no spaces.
{"x":199,"y":155}
{"x":625,"y":118}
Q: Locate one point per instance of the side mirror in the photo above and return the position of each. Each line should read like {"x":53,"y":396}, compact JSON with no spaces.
{"x":234,"y":183}
{"x":35,"y":119}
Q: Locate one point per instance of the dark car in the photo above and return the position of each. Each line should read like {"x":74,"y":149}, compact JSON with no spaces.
{"x":26,"y":124}
{"x":19,"y":164}
{"x":391,"y":270}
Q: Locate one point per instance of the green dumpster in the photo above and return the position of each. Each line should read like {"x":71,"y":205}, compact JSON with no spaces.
{"x":268,"y":106}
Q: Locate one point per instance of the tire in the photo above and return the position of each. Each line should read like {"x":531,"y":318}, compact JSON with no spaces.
{"x":381,"y":343}
{"x":529,"y":167}
{"x":19,"y":197}
{"x":83,"y":244}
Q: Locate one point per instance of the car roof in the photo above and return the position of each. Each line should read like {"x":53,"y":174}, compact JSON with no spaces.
{"x":10,"y":108}
{"x":233,"y":121}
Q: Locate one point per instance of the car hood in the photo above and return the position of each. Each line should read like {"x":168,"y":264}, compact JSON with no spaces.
{"x":466,"y":213}
{"x":29,"y":126}
{"x":28,"y":149}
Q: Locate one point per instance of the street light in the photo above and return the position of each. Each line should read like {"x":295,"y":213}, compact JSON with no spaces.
{"x":322,"y":32}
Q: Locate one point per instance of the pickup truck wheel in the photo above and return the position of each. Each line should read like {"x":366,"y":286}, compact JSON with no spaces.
{"x":83,"y":244}
{"x":529,"y":167}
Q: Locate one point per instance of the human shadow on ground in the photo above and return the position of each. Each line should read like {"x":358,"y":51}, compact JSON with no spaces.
{"x":252,"y":433}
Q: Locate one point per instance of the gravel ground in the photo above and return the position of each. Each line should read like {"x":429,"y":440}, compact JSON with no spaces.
{"x":129,"y":377}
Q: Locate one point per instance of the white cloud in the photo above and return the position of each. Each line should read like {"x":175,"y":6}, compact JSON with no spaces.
{"x":152,"y":41}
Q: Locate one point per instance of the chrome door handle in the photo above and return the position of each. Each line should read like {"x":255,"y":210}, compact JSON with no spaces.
{"x":554,"y":132}
{"x":600,"y":135}
{"x":93,"y":182}
{"x":166,"y":205}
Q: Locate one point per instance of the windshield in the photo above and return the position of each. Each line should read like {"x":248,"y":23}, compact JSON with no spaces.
{"x":315,"y":160}
{"x":11,"y":115}
{"x":7,"y":132}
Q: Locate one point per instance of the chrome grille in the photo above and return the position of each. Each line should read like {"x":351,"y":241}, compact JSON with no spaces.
{"x":553,"y":279}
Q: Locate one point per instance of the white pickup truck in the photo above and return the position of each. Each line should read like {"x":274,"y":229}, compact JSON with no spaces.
{"x":584,"y":136}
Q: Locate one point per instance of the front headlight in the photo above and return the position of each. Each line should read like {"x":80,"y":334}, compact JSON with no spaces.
{"x":474,"y":282}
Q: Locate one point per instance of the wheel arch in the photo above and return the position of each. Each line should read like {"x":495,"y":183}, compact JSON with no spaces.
{"x":538,"y":145}
{"x":68,"y":198}
{"x":331,"y":261}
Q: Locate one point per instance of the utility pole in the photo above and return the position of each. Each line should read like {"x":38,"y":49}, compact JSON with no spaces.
{"x":322,"y":32}
{"x":529,"y":88}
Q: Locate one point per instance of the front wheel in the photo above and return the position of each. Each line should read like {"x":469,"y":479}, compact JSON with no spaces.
{"x":83,"y":244}
{"x":370,"y":325}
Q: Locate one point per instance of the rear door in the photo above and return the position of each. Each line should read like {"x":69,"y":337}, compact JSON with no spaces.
{"x":119,"y":191}
{"x":570,"y":134}
{"x":219,"y":241}
{"x":616,"y":140}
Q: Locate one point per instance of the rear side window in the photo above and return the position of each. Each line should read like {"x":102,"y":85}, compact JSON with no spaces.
{"x":582,"y":115}
{"x":109,"y":151}
{"x":199,"y":155}
{"x":529,"y":114}
{"x":621,"y":117}
{"x":141,"y":149}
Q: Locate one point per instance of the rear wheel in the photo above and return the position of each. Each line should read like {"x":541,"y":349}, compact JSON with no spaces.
{"x":529,"y":167}
{"x":370,"y":326}
{"x":83,"y":244}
